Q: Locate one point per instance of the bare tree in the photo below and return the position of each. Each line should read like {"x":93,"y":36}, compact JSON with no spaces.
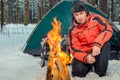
{"x":41,"y":9}
{"x":103,"y":6}
{"x":18,"y":12}
{"x":112,"y":2}
{"x":2,"y":14}
{"x":26,"y":12}
{"x":5,"y":16}
{"x":10,"y":10}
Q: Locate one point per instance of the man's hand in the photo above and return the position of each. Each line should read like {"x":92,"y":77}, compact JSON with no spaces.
{"x":95,"y":51}
{"x":90,"y":59}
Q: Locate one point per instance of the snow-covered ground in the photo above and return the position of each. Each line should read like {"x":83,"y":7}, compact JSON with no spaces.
{"x":117,"y":25}
{"x":15,"y":65}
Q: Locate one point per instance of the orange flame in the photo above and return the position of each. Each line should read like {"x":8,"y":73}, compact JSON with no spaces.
{"x":54,"y":39}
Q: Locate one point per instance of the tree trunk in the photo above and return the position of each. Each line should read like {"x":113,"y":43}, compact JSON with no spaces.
{"x":26,"y":12}
{"x":18,"y":12}
{"x":2,"y":14}
{"x":10,"y":8}
{"x":41,"y":9}
{"x":103,"y":6}
{"x":119,"y":19}
{"x":112,"y":15}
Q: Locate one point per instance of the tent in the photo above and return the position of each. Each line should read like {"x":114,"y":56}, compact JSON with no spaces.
{"x":62,"y":11}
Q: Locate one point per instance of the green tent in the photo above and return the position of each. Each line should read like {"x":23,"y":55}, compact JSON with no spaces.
{"x":62,"y":11}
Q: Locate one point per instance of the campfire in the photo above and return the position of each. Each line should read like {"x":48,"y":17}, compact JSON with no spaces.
{"x":58,"y":60}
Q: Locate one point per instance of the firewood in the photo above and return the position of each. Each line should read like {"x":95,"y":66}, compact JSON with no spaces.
{"x":57,"y":71}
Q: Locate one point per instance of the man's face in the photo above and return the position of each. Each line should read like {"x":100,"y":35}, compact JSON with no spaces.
{"x":80,"y":17}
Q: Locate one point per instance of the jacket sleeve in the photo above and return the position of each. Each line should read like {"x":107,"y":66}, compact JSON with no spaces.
{"x":105,"y":31}
{"x":74,"y":47}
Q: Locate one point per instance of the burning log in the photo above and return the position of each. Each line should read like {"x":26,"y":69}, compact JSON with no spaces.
{"x":58,"y":60}
{"x":58,"y":71}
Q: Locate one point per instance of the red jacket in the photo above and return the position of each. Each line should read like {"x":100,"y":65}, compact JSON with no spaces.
{"x":81,"y":38}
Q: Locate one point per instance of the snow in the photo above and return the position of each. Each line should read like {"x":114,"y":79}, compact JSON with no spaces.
{"x":117,"y":25}
{"x":16,"y":65}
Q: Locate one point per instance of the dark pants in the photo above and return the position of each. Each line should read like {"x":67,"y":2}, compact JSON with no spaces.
{"x":80,"y":69}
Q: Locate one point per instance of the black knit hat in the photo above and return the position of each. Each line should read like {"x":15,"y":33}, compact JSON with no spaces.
{"x":78,"y":6}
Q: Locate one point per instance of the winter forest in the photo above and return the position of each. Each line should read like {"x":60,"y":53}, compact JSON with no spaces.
{"x":32,"y":11}
{"x":24,"y":11}
{"x":20,"y":18}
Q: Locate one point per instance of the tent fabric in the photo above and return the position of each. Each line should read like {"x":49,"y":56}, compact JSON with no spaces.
{"x":62,"y":11}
